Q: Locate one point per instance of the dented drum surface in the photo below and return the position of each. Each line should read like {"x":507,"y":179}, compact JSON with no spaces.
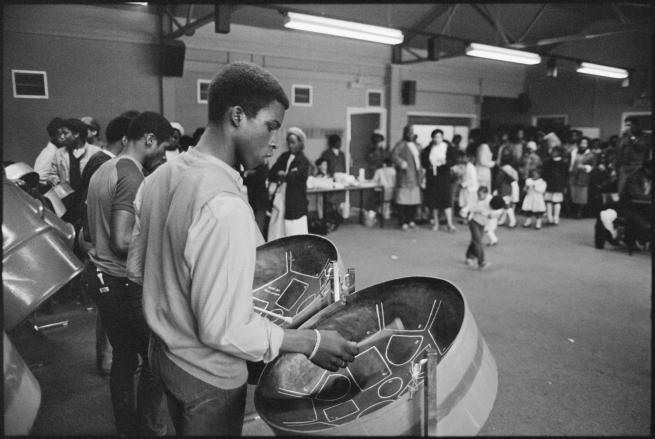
{"x":37,"y":258}
{"x":373,"y":395}
{"x":292,"y":277}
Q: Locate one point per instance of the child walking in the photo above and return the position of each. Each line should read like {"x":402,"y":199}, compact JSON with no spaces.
{"x":469,"y":185}
{"x":534,"y":204}
{"x":386,"y":176}
{"x":508,"y":188}
{"x":478,"y":216}
{"x":497,"y":207}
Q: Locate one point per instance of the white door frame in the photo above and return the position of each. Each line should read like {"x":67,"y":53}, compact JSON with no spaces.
{"x":362,"y":110}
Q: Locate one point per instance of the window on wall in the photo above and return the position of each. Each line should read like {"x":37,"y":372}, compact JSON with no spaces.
{"x":302,"y":95}
{"x":374,"y":98}
{"x":30,"y":84}
{"x":203,"y":90}
{"x":551,"y":122}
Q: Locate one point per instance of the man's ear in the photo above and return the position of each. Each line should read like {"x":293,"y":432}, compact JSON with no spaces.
{"x":236,"y":115}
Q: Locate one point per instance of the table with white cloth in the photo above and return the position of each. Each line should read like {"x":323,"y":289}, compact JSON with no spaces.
{"x":363,"y":186}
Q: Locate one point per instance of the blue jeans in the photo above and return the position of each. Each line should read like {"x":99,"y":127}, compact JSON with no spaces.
{"x":119,"y":305}
{"x":476,"y":249}
{"x":196,"y":407}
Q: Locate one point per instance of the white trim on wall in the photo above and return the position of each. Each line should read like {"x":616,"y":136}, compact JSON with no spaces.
{"x":199,"y":84}
{"x":43,"y":73}
{"x":429,"y":113}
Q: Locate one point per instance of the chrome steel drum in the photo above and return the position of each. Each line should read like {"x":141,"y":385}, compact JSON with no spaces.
{"x":292,"y":277}
{"x":22,"y":392}
{"x":380,"y":392}
{"x":36,"y":261}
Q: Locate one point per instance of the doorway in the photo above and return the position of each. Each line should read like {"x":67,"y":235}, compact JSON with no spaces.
{"x":361,"y":124}
{"x":450,"y":124}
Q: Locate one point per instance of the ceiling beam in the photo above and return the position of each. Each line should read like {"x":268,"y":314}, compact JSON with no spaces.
{"x":451,"y":13}
{"x":427,"y":20}
{"x":534,"y":20}
{"x":190,"y":28}
{"x":619,"y":13}
{"x":633,"y":26}
{"x":484,"y":13}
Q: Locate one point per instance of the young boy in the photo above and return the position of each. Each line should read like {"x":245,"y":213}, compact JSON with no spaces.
{"x":478,"y":216}
{"x":386,"y":176}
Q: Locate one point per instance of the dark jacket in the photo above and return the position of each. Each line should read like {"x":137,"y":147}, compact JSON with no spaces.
{"x":335,"y":163}
{"x":296,"y":179}
{"x":556,"y":174}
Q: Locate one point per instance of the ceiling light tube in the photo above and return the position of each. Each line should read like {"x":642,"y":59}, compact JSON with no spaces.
{"x":598,"y":70}
{"x":502,"y":54}
{"x":341,"y":28}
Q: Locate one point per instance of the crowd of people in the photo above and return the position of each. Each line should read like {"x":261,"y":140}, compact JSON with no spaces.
{"x":169,"y":232}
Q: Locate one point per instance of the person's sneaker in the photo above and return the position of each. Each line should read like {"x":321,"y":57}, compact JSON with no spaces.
{"x":470,"y":262}
{"x":412,"y":224}
{"x":556,"y":221}
{"x":452,"y":229}
{"x":485,"y":265}
{"x":537,"y":225}
{"x":405,"y":227}
{"x":527,"y":223}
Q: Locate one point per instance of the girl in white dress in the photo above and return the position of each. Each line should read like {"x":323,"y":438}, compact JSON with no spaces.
{"x":534,"y":204}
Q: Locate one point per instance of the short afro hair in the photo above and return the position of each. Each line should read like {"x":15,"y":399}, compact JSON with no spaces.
{"x":244,"y":84}
{"x":117,"y":128}
{"x":54,"y":125}
{"x":76,"y":126}
{"x":150,"y":122}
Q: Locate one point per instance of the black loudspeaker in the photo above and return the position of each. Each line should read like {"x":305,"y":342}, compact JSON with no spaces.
{"x":222,"y":15}
{"x":408,"y":92}
{"x":171,"y":60}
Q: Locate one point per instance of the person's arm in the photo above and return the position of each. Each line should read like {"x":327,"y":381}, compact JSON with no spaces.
{"x":299,"y":171}
{"x":136,"y":250}
{"x":220,"y":253}
{"x":396,"y":158}
{"x":44,"y":161}
{"x":121,"y":222}
{"x":52,"y":175}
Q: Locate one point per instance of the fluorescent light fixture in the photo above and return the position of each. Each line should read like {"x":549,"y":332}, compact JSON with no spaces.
{"x":341,"y":28}
{"x":502,"y":54}
{"x":598,"y":70}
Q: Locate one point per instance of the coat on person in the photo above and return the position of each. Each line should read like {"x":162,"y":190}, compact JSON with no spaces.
{"x":407,"y":180}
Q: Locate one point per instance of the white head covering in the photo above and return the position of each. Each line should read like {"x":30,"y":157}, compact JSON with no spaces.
{"x":178,"y":126}
{"x":298,"y":133}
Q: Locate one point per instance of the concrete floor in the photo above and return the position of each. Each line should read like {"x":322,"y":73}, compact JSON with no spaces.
{"x":568,"y":325}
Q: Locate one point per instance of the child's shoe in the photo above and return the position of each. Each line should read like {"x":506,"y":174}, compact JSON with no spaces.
{"x":484,"y":265}
{"x":538,"y":224}
{"x":527,"y":222}
{"x":470,"y":262}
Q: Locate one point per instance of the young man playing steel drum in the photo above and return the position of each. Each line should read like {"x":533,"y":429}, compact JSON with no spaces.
{"x":195,"y":250}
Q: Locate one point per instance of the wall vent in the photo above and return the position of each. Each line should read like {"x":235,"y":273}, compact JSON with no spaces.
{"x":30,"y":84}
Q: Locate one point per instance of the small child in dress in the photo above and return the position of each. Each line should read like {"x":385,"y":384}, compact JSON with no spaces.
{"x":534,"y":204}
{"x":386,"y":176}
{"x":556,"y":171}
{"x":478,"y":216}
{"x":468,"y":186}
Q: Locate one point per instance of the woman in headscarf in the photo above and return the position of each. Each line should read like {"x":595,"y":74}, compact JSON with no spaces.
{"x":290,"y":172}
{"x":437,"y":159}
{"x":405,"y":157}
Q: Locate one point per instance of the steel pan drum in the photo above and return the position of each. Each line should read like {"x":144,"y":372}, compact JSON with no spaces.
{"x":36,"y":260}
{"x":292,"y":277}
{"x":372,"y":395}
{"x":22,"y":392}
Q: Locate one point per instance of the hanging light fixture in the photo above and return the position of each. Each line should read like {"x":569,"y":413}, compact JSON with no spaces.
{"x":502,"y":54}
{"x":342,"y":28}
{"x":599,"y":70}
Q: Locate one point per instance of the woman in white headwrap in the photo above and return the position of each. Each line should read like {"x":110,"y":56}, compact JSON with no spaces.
{"x":290,"y":172}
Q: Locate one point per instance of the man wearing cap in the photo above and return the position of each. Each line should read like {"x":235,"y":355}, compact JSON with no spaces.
{"x":45,"y":158}
{"x":69,"y":163}
{"x":93,"y":131}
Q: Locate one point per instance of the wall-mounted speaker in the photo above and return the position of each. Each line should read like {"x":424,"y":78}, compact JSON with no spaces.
{"x":408,"y":92}
{"x":171,"y":60}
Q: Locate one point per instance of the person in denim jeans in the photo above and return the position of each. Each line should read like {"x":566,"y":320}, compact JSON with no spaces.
{"x":194,"y":250}
{"x":110,"y":214}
